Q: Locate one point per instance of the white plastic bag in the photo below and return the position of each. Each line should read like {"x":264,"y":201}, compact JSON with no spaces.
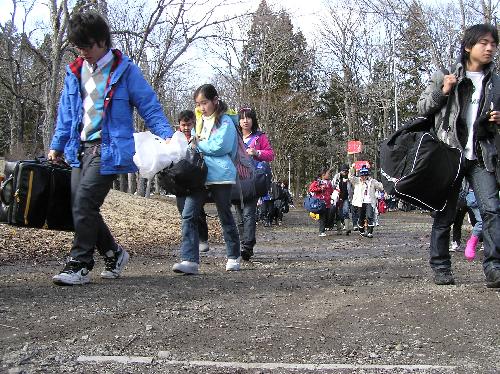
{"x":152,"y":154}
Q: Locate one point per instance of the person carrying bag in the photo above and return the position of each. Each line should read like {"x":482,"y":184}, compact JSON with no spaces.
{"x":473,"y":91}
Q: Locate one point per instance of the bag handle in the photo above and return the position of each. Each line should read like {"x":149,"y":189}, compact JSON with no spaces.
{"x":446,"y":118}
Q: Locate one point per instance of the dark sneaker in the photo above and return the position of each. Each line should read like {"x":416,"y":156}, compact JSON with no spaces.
{"x":493,"y":278}
{"x":74,"y":273}
{"x":246,"y":254}
{"x":113,"y":266}
{"x":443,"y":277}
{"x":369,"y":235}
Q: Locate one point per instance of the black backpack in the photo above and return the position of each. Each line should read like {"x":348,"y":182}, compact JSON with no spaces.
{"x":185,"y":176}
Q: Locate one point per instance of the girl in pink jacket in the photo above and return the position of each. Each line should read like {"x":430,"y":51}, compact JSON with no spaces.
{"x":260,"y":149}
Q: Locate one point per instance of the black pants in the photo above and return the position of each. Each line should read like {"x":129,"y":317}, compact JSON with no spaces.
{"x":88,"y":190}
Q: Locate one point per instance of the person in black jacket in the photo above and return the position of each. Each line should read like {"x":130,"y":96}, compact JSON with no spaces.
{"x":473,"y":90}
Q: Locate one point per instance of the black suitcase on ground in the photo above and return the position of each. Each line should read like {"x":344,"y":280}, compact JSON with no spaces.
{"x":37,"y":193}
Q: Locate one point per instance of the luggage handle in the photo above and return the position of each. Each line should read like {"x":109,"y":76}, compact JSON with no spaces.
{"x":58,"y":163}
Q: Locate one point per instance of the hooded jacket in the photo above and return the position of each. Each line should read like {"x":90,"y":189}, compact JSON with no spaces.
{"x":433,"y":102}
{"x":219,"y":152}
{"x":125,"y":90}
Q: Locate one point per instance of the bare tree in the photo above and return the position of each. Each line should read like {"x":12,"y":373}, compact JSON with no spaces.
{"x":59,"y":17}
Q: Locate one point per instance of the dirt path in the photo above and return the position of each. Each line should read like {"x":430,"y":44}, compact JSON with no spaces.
{"x":303,"y":305}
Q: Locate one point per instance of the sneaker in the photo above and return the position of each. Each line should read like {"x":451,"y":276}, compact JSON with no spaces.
{"x":203,"y":247}
{"x":443,"y":277}
{"x":322,"y":234}
{"x":493,"y":278}
{"x":115,"y":265}
{"x":186,"y":267}
{"x":454,"y":246}
{"x":362,"y":233}
{"x":74,"y":272}
{"x":233,"y":264}
{"x":369,"y":235}
{"x":246,"y":254}
{"x":355,"y":228}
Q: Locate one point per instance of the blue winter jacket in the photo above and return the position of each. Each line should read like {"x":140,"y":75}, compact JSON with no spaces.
{"x":126,"y":89}
{"x":219,"y":151}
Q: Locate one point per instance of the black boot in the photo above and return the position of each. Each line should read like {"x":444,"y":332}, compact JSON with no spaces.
{"x":443,"y":276}
{"x":361,"y":230}
{"x":246,"y":254}
{"x":370,"y":232}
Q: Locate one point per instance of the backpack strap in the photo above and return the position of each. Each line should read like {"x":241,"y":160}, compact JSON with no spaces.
{"x":446,"y":118}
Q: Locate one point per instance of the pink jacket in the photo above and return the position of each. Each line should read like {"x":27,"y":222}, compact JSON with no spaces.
{"x":260,"y":142}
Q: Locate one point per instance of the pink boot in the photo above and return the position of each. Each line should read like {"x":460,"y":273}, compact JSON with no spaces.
{"x":470,"y":249}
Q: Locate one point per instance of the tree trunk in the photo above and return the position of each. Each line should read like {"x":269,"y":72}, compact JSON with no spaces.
{"x":132,"y":183}
{"x":123,"y":182}
{"x":59,"y":20}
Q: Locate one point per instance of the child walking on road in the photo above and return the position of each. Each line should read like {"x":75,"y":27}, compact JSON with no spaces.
{"x":364,"y":198}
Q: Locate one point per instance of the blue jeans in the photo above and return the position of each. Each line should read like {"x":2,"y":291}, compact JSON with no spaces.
{"x":202,"y":219}
{"x":221,"y":195}
{"x":474,"y":207}
{"x":485,"y":189}
{"x":246,"y":219}
{"x":345,"y":210}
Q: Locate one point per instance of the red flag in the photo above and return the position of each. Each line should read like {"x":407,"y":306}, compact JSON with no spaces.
{"x":354,"y":146}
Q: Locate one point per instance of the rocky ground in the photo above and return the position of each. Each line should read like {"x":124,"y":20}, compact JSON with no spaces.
{"x":304,"y":304}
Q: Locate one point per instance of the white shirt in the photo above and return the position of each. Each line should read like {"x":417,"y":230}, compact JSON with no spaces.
{"x":477,"y":79}
{"x":366,"y":193}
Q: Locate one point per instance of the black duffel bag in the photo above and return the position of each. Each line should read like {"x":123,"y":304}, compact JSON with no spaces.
{"x":37,"y":193}
{"x":186,"y":176}
{"x":419,"y":168}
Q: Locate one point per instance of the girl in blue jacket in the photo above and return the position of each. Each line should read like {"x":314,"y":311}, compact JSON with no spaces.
{"x":216,"y":138}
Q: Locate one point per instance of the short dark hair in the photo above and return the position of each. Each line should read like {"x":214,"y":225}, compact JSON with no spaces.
{"x":185,"y":115}
{"x":87,"y":28}
{"x":323,"y":171}
{"x":250,"y":113}
{"x":472,"y":36}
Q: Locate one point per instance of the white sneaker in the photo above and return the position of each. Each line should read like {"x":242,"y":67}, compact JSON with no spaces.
{"x":322,"y":234}
{"x":233,"y":264}
{"x":186,"y":267}
{"x":454,"y":246}
{"x":203,"y":247}
{"x":73,"y":273}
{"x":115,"y":265}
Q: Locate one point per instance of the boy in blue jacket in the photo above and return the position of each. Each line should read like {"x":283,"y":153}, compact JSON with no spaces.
{"x":94,"y":132}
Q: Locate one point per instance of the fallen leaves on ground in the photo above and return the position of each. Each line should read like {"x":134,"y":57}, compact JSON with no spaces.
{"x":137,"y":223}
